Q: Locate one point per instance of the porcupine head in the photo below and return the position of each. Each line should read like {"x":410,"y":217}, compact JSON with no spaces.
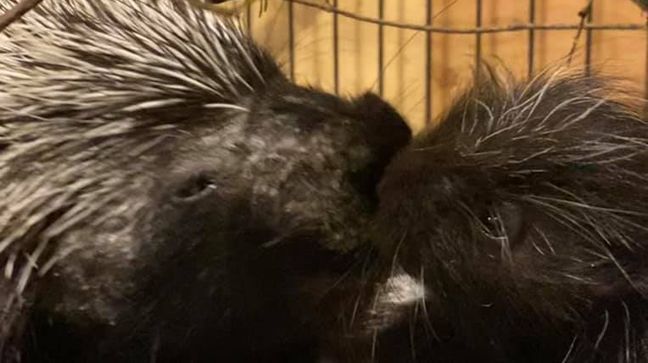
{"x":523,"y":212}
{"x":166,"y":192}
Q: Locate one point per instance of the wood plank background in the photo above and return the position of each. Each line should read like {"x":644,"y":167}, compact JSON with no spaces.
{"x":621,"y":53}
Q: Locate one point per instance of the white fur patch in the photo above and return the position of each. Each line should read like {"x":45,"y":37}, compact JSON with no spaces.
{"x":394,"y":300}
{"x":402,"y":289}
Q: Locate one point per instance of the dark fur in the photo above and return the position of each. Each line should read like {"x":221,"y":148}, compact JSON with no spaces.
{"x":205,"y":234}
{"x":525,"y":214}
{"x":243,"y":232}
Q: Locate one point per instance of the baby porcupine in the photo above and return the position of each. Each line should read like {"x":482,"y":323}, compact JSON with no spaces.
{"x":166,"y":194}
{"x":524,"y":213}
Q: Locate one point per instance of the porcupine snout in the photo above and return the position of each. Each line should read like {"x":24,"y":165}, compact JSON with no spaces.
{"x":169,"y":194}
{"x":523,"y":214}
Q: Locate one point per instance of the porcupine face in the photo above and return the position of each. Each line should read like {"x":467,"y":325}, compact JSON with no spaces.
{"x":524,"y":214}
{"x":167,"y":194}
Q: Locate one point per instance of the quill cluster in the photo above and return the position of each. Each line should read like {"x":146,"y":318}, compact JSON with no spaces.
{"x":525,"y":215}
{"x":166,"y":194}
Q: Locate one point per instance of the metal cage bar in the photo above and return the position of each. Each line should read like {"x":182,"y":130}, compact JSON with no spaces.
{"x":429,"y":28}
{"x":531,"y":49}
{"x":336,"y":51}
{"x":428,"y":64}
{"x":248,"y":18}
{"x":459,"y":30}
{"x":381,"y":49}
{"x":291,"y":38}
{"x":478,"y":38}
{"x":588,"y":41}
{"x":646,"y":74}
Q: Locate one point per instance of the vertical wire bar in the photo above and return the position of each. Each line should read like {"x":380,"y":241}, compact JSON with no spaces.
{"x":381,"y":50}
{"x":291,"y":39}
{"x":645,"y":110}
{"x":478,"y":39}
{"x":531,"y":54}
{"x":336,"y":50}
{"x":248,"y":18}
{"x":428,"y":64}
{"x":588,"y":42}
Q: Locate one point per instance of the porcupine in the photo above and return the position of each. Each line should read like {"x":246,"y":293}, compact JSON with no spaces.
{"x":524,"y":213}
{"x":167,"y":194}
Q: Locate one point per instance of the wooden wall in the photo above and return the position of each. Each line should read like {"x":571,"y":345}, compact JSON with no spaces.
{"x":618,"y":52}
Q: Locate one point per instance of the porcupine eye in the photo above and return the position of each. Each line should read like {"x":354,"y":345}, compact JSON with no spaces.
{"x":194,"y":188}
{"x":504,"y":220}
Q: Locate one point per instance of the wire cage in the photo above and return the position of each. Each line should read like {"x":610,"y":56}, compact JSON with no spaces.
{"x":416,"y":53}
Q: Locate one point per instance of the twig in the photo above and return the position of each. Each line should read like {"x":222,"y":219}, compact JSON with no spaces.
{"x":437,"y":29}
{"x":16,"y":12}
{"x":583,"y":14}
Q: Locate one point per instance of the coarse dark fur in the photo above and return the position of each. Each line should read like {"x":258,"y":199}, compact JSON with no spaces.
{"x":166,"y":194}
{"x":524,"y":213}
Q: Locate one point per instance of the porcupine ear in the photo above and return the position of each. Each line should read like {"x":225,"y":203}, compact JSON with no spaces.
{"x":384,"y":127}
{"x":385,"y":132}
